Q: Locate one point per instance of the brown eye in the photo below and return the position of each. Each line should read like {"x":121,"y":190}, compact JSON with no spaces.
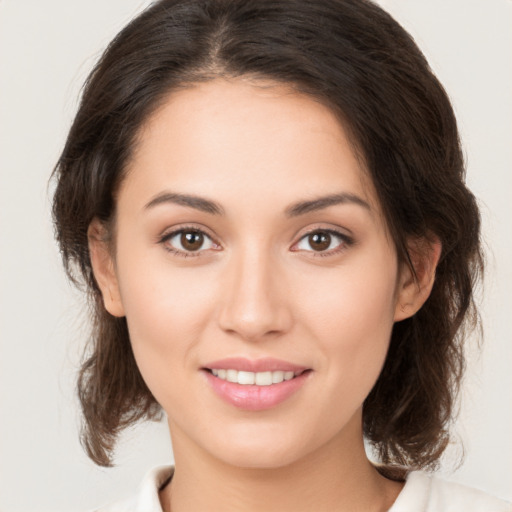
{"x":323,"y":241}
{"x":187,"y":241}
{"x":191,"y":240}
{"x":319,"y":241}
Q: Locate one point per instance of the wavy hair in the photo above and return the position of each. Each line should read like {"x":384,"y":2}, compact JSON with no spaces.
{"x":355,"y":58}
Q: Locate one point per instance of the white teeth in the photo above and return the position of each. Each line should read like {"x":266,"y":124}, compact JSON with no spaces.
{"x":258,"y":378}
{"x":246,"y":377}
{"x":263,"y":378}
{"x":277,"y":377}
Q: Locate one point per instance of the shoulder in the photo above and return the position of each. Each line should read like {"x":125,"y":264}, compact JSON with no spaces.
{"x":146,"y":499}
{"x":424,"y":492}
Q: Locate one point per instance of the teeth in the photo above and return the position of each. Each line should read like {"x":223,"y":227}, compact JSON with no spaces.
{"x":277,"y":377}
{"x":258,"y":378}
{"x":232,"y":376}
{"x":246,"y":377}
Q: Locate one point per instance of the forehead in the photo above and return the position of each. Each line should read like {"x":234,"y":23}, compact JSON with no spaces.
{"x":227,"y":138}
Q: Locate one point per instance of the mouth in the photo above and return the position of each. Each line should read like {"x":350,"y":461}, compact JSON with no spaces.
{"x":255,"y":385}
{"x":247,"y":378}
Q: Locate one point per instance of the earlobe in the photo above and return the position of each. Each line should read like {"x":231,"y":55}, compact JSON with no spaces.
{"x":414,"y":288}
{"x":103,"y":268}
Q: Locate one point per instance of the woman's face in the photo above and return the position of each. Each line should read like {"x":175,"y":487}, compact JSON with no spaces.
{"x":250,"y":247}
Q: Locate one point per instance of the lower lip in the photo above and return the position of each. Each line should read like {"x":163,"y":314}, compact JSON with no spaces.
{"x":256,"y":398}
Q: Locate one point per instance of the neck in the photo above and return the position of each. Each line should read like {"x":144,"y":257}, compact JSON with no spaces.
{"x":336,"y":477}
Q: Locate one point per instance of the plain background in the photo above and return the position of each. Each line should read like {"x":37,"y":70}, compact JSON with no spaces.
{"x":46,"y":50}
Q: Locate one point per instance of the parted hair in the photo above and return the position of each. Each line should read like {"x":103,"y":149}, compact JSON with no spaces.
{"x":356,"y":59}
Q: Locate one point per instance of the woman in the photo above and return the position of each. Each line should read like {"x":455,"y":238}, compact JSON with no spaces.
{"x":266,"y":203}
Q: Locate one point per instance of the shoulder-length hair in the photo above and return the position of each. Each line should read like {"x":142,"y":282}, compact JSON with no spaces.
{"x":353,"y":57}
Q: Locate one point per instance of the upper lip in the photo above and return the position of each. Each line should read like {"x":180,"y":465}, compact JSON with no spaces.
{"x":267,"y":364}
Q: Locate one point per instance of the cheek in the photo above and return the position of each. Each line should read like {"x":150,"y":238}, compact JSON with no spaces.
{"x":345,"y":304}
{"x":351,"y":317}
{"x":166,"y":310}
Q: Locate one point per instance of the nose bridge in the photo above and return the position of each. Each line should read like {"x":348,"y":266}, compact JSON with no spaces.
{"x":254,"y":303}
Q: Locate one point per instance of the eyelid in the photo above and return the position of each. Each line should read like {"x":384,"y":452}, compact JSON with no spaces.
{"x":346,"y":241}
{"x":185,"y":227}
{"x":172,"y":232}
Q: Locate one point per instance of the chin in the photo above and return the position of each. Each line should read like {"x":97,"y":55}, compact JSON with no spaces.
{"x":260,"y":458}
{"x":255,"y":450}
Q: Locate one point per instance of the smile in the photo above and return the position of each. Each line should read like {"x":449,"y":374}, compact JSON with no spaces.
{"x":255,"y":385}
{"x":254,"y":378}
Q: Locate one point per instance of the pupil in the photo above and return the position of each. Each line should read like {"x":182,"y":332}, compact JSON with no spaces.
{"x":320,"y":241}
{"x":191,"y":240}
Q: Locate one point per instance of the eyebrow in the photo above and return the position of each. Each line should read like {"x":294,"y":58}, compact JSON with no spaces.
{"x":303,"y":207}
{"x":294,"y":210}
{"x":196,"y":202}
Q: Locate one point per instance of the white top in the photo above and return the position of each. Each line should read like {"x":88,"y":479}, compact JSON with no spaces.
{"x":422,"y":492}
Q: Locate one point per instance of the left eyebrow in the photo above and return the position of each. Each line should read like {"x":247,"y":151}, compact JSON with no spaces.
{"x":303,"y":207}
{"x":192,"y":201}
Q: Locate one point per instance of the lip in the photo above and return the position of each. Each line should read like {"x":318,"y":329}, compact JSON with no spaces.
{"x":253,"y":397}
{"x":267,"y":364}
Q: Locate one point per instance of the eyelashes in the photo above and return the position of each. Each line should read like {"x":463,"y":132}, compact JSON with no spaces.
{"x":324,"y":242}
{"x":188,"y":241}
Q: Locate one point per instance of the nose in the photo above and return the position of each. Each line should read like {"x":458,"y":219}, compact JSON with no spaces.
{"x":254,"y":304}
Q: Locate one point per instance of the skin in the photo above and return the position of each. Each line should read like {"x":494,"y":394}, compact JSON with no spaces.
{"x":257,"y":288}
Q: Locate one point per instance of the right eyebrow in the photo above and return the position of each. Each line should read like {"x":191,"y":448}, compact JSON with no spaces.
{"x":192,"y":201}
{"x":303,"y":207}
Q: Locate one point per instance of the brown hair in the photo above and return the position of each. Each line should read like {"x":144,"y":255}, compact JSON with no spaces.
{"x":352,"y":56}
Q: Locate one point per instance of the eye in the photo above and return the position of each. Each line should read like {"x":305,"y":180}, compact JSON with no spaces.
{"x":187,"y":241}
{"x":324,"y":241}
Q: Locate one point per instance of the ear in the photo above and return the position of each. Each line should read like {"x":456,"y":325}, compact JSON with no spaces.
{"x":103,"y":267}
{"x":413,"y":290}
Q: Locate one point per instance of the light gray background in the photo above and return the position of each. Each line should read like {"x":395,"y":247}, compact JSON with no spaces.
{"x":46,"y":50}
